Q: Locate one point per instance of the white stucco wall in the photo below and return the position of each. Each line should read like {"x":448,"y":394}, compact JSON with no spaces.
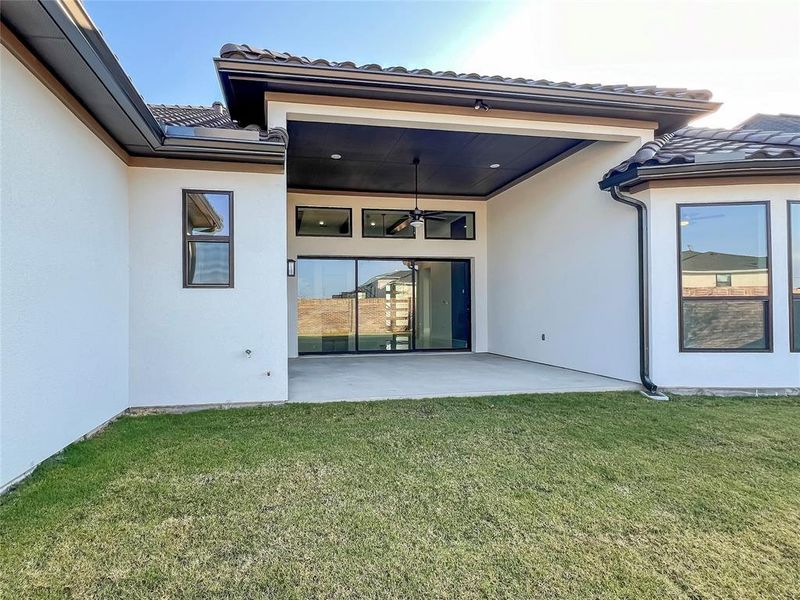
{"x":63,"y":275}
{"x":397,"y":248}
{"x":672,"y":368}
{"x":187,"y":345}
{"x":563,"y":262}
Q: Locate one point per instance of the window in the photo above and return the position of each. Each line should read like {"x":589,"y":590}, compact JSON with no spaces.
{"x":323,"y":222}
{"x":386,"y":223}
{"x":450,"y":226}
{"x":724,"y":277}
{"x":794,"y":273}
{"x":723,"y":280}
{"x":207,"y":239}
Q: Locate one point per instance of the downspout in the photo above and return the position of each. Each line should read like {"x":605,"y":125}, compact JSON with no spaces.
{"x":644,"y":301}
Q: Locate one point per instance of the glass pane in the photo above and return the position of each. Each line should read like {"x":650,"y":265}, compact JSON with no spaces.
{"x":442,"y":314}
{"x":725,"y":324}
{"x":724,"y":250}
{"x":207,"y":213}
{"x":328,"y":222}
{"x":451,"y":226}
{"x":326,"y":313}
{"x":794,"y":222}
{"x":387,"y":223}
{"x":208,"y":263}
{"x":796,"y":323}
{"x":385,"y":293}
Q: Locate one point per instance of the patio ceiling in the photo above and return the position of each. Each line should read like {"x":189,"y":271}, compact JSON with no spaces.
{"x":379,"y":159}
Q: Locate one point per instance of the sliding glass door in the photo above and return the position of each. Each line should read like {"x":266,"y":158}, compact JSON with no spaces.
{"x":382,"y":305}
{"x":326,"y":306}
{"x":443,"y":311}
{"x":385,"y":300}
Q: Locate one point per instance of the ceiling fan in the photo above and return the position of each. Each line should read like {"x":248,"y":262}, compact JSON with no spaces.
{"x":416,"y":217}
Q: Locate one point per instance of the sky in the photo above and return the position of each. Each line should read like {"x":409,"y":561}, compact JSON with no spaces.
{"x":746,"y":52}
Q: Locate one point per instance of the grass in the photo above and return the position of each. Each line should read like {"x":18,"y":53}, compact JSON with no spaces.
{"x":561,"y":496}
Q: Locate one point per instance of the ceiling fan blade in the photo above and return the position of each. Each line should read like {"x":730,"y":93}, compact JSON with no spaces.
{"x":434,"y":218}
{"x":399,"y":226}
{"x":432,"y":213}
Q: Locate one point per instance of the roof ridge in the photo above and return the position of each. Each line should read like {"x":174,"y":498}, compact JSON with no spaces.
{"x":185,"y":106}
{"x":253,"y":53}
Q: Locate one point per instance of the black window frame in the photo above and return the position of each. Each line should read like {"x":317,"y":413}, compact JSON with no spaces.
{"x":793,"y":324}
{"x":767,"y":300}
{"x":217,"y":239}
{"x":297,"y":210}
{"x":455,"y":212}
{"x":364,"y":212}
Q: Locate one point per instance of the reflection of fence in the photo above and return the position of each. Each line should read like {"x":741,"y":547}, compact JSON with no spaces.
{"x":336,"y":316}
{"x":725,"y":292}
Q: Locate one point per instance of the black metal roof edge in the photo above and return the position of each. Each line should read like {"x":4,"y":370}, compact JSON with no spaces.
{"x":91,"y":46}
{"x":72,"y":20}
{"x":474,"y":87}
{"x":739,"y":168}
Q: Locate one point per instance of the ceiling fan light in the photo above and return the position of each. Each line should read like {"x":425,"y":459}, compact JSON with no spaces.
{"x":416,"y":223}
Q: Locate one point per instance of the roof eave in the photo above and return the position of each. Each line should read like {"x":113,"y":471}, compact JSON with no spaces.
{"x":740,"y":168}
{"x":325,"y":80}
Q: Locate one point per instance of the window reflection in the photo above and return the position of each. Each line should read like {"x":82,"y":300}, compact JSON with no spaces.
{"x":385,"y":296}
{"x":323,"y":222}
{"x":208,"y":263}
{"x":724,"y":261}
{"x":794,"y":253}
{"x":387,"y":223}
{"x":207,"y":213}
{"x":450,"y":226}
{"x":326,"y":320}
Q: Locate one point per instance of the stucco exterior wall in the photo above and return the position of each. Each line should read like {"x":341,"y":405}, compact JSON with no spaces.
{"x":358,"y":246}
{"x":563,"y":264}
{"x":674,"y":369}
{"x":188,"y":345}
{"x":63,"y":275}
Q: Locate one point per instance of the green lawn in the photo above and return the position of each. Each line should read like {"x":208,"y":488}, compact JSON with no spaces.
{"x":559,"y":496}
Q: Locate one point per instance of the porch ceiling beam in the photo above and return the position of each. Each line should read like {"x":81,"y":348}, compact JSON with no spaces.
{"x":293,"y":107}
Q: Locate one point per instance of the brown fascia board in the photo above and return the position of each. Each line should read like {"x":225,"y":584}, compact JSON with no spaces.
{"x":636,"y":177}
{"x":406,"y":84}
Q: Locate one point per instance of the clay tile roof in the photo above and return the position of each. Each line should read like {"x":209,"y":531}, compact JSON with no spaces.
{"x":246,"y":52}
{"x":215,"y":117}
{"x":686,"y":145}
{"x":781,"y":122}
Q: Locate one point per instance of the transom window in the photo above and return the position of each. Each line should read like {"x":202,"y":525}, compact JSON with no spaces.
{"x":386,"y":223}
{"x":317,"y":221}
{"x":447,"y":225}
{"x":207,"y":239}
{"x":724,"y":277}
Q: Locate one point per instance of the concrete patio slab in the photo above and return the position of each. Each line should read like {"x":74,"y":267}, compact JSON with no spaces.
{"x":381,"y":377}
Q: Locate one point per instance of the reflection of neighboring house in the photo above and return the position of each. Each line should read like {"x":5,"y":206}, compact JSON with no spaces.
{"x":376,"y":286}
{"x":718,"y":274}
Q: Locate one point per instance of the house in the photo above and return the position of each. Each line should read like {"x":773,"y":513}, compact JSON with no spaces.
{"x":183,"y":256}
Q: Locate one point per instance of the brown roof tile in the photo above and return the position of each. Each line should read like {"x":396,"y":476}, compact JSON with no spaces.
{"x":244,"y":51}
{"x":685,"y":145}
{"x":215,"y":117}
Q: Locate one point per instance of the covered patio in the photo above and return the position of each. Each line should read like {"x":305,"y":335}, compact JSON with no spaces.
{"x":378,"y":377}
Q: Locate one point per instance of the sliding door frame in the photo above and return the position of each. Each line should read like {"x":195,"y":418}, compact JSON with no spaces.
{"x":413,"y":332}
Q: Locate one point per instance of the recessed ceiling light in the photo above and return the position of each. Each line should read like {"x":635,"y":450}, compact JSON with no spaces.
{"x":322,"y":222}
{"x":336,"y":156}
{"x":494,"y":166}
